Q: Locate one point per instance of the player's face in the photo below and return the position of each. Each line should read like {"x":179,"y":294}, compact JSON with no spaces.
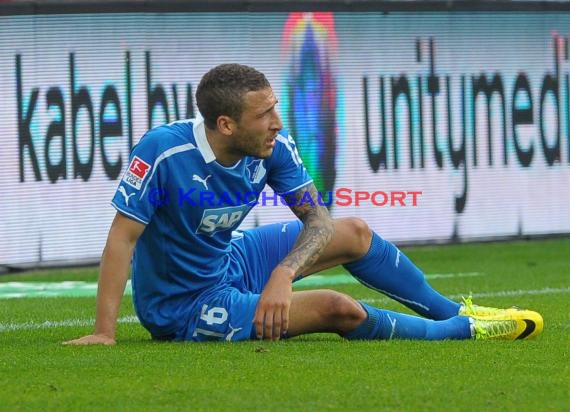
{"x":258,"y":126}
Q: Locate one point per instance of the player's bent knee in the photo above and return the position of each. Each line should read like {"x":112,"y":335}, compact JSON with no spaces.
{"x":359,"y":234}
{"x":343,"y":312}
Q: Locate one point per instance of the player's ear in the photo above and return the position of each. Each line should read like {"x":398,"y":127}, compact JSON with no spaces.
{"x":226,"y":125}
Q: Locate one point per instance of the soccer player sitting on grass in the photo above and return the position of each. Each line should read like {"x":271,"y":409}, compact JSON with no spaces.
{"x":196,"y":278}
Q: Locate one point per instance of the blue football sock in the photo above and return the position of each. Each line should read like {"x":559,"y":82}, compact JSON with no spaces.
{"x":386,"y":269}
{"x":386,"y":325}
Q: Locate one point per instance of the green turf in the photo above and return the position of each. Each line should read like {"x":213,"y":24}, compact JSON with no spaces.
{"x":311,"y":373}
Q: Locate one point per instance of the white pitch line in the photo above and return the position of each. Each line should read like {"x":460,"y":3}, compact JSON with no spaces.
{"x":518,"y":292}
{"x":4,"y":327}
{"x":453,"y":275}
{"x":501,"y":293}
{"x":48,"y":324}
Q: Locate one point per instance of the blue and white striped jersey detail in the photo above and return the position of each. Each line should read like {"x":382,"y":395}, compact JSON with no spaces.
{"x":190,"y":205}
{"x":164,"y":155}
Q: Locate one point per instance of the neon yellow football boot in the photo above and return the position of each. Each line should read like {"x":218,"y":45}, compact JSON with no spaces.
{"x":508,"y":328}
{"x":468,"y":308}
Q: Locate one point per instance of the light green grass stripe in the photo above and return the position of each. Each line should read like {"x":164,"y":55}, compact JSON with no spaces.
{"x":10,"y":290}
{"x":49,"y":324}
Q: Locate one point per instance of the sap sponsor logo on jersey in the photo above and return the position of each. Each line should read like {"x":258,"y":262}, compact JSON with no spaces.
{"x":226,"y":218}
{"x":136,"y":172}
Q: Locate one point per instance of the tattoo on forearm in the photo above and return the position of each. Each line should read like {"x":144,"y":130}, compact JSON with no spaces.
{"x":317,"y":230}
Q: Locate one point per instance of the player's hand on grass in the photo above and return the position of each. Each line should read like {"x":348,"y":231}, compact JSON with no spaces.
{"x":91,"y":340}
{"x":272,"y":313}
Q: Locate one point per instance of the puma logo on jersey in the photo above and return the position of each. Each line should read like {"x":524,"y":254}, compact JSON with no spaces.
{"x":226,"y":218}
{"x":126,"y":196}
{"x":233,"y":330}
{"x":203,"y":181}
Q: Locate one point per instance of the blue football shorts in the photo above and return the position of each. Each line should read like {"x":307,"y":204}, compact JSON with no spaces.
{"x":225,"y":312}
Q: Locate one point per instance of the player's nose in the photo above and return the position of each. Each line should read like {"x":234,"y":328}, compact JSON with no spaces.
{"x":276,"y":123}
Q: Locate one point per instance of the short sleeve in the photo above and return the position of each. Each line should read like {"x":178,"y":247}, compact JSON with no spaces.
{"x":287,"y":172}
{"x":140,"y":189}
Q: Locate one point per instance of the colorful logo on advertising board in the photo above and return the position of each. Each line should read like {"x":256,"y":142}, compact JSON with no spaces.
{"x":310,"y":92}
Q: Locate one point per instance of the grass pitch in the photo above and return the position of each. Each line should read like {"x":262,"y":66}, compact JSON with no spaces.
{"x":314,"y":372}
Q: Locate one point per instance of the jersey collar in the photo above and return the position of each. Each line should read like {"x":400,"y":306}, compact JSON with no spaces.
{"x":202,"y":141}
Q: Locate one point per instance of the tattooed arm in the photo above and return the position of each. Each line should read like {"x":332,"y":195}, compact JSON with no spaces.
{"x":272,"y":313}
{"x":317,"y":230}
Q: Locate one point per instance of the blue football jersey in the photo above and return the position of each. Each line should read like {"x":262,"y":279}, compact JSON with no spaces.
{"x":190,"y":205}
